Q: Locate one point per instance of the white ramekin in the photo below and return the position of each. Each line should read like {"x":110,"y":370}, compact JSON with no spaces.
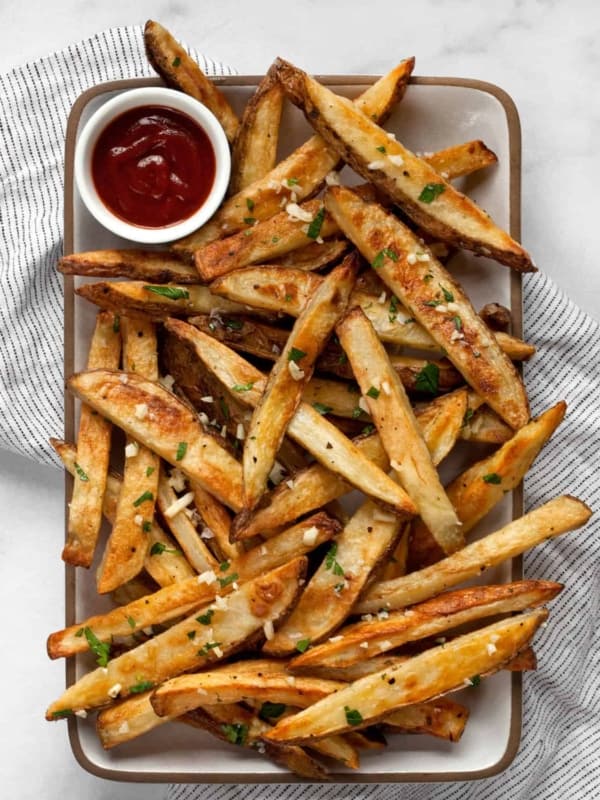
{"x":150,"y":96}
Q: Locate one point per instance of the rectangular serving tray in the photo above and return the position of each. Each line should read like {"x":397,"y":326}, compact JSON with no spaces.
{"x":435,"y":113}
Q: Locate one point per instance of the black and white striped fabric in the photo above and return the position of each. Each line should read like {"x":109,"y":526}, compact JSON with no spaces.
{"x":35,"y":101}
{"x":561,"y":735}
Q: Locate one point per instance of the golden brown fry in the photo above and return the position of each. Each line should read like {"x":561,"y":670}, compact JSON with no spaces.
{"x":149,"y":266}
{"x":486,"y":426}
{"x":292,"y":371}
{"x":439,"y":303}
{"x":558,"y":516}
{"x":217,"y":520}
{"x":525,"y":660}
{"x":155,"y":418}
{"x":255,"y":146}
{"x":428,"y":199}
{"x":254,"y":605}
{"x":398,"y":429}
{"x":461,"y":159}
{"x":127,"y":720}
{"x":93,"y":449}
{"x":180,"y":71}
{"x":443,"y":718}
{"x":314,"y":256}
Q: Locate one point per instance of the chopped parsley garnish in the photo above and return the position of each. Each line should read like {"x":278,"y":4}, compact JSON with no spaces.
{"x":408,"y":320}
{"x":431,"y":191}
{"x":228,"y":579}
{"x":433,"y":303}
{"x":158,"y":548}
{"x":142,"y":498}
{"x":368,"y":430}
{"x":353,"y":716}
{"x":80,"y":473}
{"x":428,"y":277}
{"x":475,"y":680}
{"x":314,"y":229}
{"x":457,"y":322}
{"x":79,"y":633}
{"x":343,"y":359}
{"x":322,"y":408}
{"x":302,"y":645}
{"x":249,"y":220}
{"x":171,"y":292}
{"x":233,"y":324}
{"x":393,"y":309}
{"x":149,"y":471}
{"x":224,"y":566}
{"x":100,"y":649}
{"x":379,"y":259}
{"x":381,"y":148}
{"x":235,"y":732}
{"x":141,"y":686}
{"x":492,"y":477}
{"x":181,"y":450}
{"x":62,"y":713}
{"x":131,"y":622}
{"x":468,"y":415}
{"x":243,"y":387}
{"x":191,"y":635}
{"x":428,"y":379}
{"x":296,"y":355}
{"x":448,"y":296}
{"x":204,"y":619}
{"x":274,"y":239}
{"x":292,"y":181}
{"x":146,"y":526}
{"x":332,"y":563}
{"x":356,"y":412}
{"x":224,"y":408}
{"x":116,"y":323}
{"x":207,"y":647}
{"x":270,"y":710}
{"x":250,"y":204}
{"x":373,"y":392}
{"x":176,"y":62}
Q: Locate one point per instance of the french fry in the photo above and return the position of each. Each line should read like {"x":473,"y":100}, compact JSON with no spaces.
{"x":359,"y":669}
{"x":298,"y":176}
{"x":255,"y":146}
{"x":155,"y":418}
{"x":398,"y":429}
{"x":141,"y":265}
{"x":443,"y":718}
{"x":359,"y":641}
{"x":477,"y":490}
{"x":158,"y":302}
{"x":292,"y":371}
{"x":461,"y":159}
{"x":256,"y":603}
{"x":127,"y":545}
{"x":428,"y":199}
{"x":551,"y":519}
{"x":93,"y":447}
{"x":127,"y":720}
{"x":314,"y":256}
{"x":217,"y":520}
{"x":486,"y":426}
{"x":180,"y":71}
{"x":439,"y":303}
{"x":432,"y":673}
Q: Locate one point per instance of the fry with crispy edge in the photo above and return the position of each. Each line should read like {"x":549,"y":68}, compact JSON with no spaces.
{"x":158,"y":302}
{"x":551,"y":519}
{"x":128,"y":543}
{"x":315,"y":255}
{"x":429,"y":674}
{"x":431,"y":618}
{"x":254,"y":149}
{"x":308,"y":427}
{"x":180,"y":598}
{"x":292,"y":371}
{"x":442,"y":718}
{"x":461,"y":159}
{"x":477,"y":490}
{"x":315,"y":486}
{"x":180,"y":71}
{"x":438,"y":303}
{"x":301,"y":174}
{"x":428,"y":198}
{"x":93,"y":450}
{"x":149,"y":266}
{"x":156,"y":418}
{"x":189,"y":644}
{"x":398,"y":429}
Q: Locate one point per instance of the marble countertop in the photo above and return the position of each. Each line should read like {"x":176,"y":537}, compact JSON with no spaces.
{"x":544,"y":54}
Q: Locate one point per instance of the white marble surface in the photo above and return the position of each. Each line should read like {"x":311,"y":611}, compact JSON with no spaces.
{"x":543,"y":53}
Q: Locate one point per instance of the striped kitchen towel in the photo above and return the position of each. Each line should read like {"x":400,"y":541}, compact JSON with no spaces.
{"x":35,"y":101}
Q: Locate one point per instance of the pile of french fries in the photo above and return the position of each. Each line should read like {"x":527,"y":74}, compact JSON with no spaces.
{"x":306,"y":343}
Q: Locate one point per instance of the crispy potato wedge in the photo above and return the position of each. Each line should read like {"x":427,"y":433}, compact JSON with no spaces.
{"x":440,"y":422}
{"x":551,"y":519}
{"x":359,"y":641}
{"x":217,"y":520}
{"x":427,"y":675}
{"x":178,"y":70}
{"x":461,"y":159}
{"x":93,"y":449}
{"x":298,"y":176}
{"x":149,"y":266}
{"x":443,"y":718}
{"x":155,"y":418}
{"x":486,"y":426}
{"x":363,"y":544}
{"x":290,"y":375}
{"x":398,"y":429}
{"x":254,"y":149}
{"x":158,"y":302}
{"x":128,"y":545}
{"x":314,"y":256}
{"x":186,"y":692}
{"x":127,"y":720}
{"x":322,"y":439}
{"x":359,"y":669}
{"x":256,"y":603}
{"x":477,"y":490}
{"x":428,"y":198}
{"x":438,"y":303}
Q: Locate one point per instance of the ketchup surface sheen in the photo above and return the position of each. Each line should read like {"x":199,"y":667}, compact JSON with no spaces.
{"x":153,"y":166}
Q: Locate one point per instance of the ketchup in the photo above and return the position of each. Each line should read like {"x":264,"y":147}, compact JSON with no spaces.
{"x":153,"y":166}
